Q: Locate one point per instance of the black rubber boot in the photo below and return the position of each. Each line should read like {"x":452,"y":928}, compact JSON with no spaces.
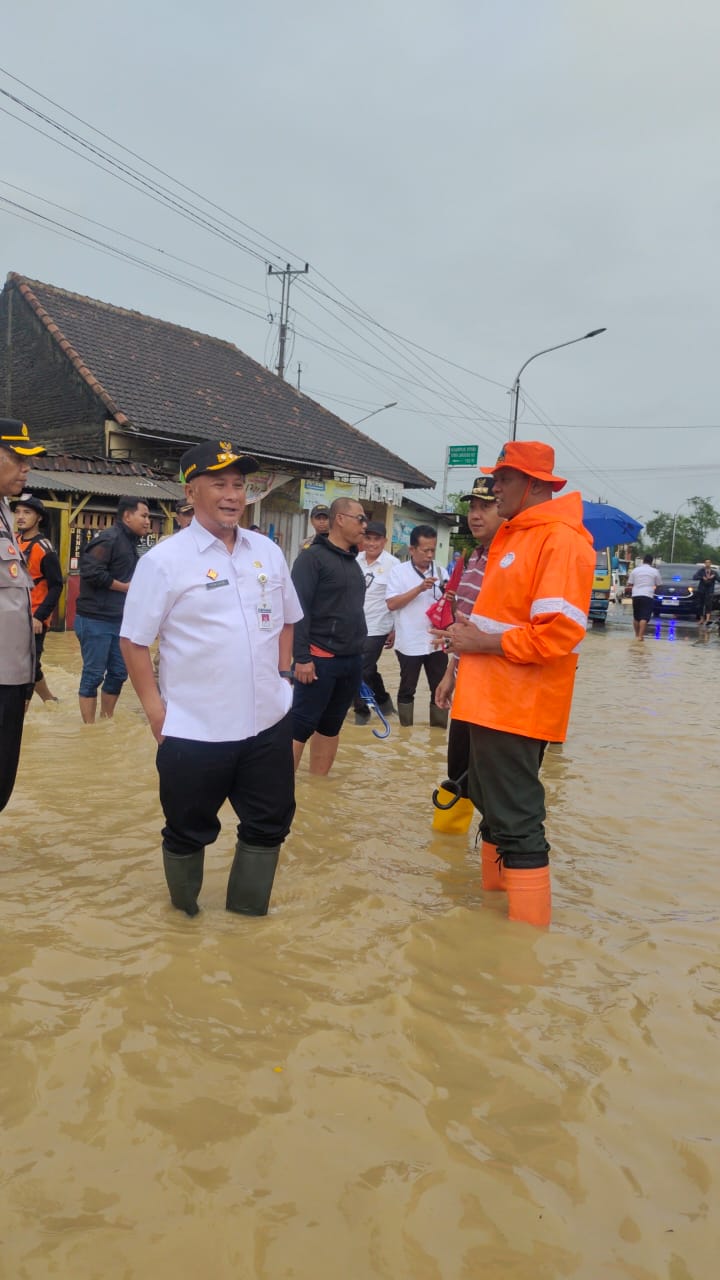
{"x":184,"y":875}
{"x":405,"y":712}
{"x":386,"y":706}
{"x":438,"y":717}
{"x":251,"y":879}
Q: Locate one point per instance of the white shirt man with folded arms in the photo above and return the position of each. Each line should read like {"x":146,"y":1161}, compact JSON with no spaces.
{"x":221,"y":600}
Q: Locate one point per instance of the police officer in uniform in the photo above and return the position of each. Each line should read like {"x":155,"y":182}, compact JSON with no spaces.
{"x":17,"y":638}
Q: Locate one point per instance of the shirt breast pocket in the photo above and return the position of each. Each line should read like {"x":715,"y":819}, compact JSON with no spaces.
{"x":12,"y":568}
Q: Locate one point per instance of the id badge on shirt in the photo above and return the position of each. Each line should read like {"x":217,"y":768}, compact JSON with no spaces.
{"x":264,"y":613}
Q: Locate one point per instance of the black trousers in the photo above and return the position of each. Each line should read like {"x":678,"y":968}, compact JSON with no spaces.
{"x":434,"y":665}
{"x":504,"y":784}
{"x":458,"y":753}
{"x":372,"y":648}
{"x":12,"y":714}
{"x":256,"y":775}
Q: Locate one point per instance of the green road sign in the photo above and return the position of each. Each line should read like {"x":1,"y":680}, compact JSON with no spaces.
{"x":462,"y":455}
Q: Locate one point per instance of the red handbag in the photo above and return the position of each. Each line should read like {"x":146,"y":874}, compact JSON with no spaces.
{"x":441,"y":612}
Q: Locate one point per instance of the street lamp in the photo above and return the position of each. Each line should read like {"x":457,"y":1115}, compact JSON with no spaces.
{"x":672,"y":541}
{"x":391,"y":405}
{"x":516,"y":384}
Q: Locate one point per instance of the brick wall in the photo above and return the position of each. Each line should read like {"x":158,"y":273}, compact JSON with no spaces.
{"x":39,"y":385}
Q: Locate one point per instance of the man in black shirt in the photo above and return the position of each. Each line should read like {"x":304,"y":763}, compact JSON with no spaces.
{"x":107,"y":564}
{"x":329,"y":640}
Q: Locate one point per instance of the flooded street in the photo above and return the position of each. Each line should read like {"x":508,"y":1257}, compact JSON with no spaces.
{"x":384,"y":1078}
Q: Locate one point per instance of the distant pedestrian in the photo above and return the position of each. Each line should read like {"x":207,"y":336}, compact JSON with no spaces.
{"x":329,"y":638}
{"x":642,"y":582}
{"x":182,"y":516}
{"x":376,"y":564}
{"x":319,"y":523}
{"x":706,"y":578}
{"x":17,"y":639}
{"x":184,"y":512}
{"x":107,"y":565}
{"x":42,"y":561}
{"x":412,"y":588}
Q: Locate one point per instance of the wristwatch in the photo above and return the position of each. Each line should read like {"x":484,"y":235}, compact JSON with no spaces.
{"x":286,"y":675}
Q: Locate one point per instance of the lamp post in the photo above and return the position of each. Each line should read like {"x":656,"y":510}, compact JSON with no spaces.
{"x":391,"y":405}
{"x":516,"y":384}
{"x":672,"y":541}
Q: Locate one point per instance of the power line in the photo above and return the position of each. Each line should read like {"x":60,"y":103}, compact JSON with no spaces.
{"x":287,"y":275}
{"x":574,"y":452}
{"x":134,"y":240}
{"x":169,"y":199}
{"x":21,"y":211}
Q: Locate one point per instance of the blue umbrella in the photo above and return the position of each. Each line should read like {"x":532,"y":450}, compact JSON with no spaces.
{"x":609,"y":525}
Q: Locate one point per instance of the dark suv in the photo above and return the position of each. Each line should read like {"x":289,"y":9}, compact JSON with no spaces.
{"x":676,"y":594}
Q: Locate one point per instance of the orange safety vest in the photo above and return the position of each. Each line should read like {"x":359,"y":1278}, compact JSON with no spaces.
{"x":536,"y":595}
{"x":34,"y":550}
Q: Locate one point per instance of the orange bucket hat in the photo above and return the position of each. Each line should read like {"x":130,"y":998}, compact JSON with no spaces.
{"x":532,"y":457}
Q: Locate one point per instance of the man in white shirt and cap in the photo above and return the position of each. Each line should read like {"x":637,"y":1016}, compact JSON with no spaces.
{"x":221,"y":601}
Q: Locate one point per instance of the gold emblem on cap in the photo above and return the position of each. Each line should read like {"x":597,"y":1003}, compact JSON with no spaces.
{"x":226,"y":445}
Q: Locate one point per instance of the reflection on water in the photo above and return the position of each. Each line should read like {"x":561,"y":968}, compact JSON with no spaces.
{"x":384,"y":1078}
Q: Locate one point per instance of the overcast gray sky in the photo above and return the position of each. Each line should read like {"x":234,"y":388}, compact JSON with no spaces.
{"x":485,"y":178}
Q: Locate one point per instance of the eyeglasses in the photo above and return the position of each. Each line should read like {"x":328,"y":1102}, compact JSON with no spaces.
{"x":363,"y":519}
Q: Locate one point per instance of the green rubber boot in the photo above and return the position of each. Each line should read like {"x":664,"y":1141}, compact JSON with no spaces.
{"x":251,"y":879}
{"x":405,"y":712}
{"x":438,"y":717}
{"x":184,"y":875}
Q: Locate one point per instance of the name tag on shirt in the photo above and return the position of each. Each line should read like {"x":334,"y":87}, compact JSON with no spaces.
{"x":264,"y":613}
{"x":222,"y":582}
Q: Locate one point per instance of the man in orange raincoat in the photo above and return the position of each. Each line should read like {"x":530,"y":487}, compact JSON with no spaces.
{"x":518,"y":655}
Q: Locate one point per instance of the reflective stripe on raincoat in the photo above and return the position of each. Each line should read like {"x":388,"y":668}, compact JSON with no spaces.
{"x":536,"y":595}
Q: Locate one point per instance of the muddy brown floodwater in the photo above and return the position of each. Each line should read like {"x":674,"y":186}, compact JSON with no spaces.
{"x":384,"y":1078}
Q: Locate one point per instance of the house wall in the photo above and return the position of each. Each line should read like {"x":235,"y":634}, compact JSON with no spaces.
{"x":405,"y":519}
{"x":39,"y":385}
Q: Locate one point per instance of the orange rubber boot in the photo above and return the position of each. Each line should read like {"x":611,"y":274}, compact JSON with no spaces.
{"x":493,"y":871}
{"x":529,"y":895}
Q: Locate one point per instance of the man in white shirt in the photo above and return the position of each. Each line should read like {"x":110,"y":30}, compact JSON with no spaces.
{"x":642,"y":581}
{"x":376,"y":564}
{"x":221,"y":601}
{"x":411,"y":589}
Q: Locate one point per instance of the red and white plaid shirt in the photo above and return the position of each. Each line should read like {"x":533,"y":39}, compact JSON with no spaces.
{"x":471,"y":581}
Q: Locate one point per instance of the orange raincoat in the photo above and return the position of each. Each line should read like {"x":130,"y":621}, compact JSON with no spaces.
{"x":536,"y":595}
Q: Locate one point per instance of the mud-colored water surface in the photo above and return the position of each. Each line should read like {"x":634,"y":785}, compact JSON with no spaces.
{"x":384,"y":1078}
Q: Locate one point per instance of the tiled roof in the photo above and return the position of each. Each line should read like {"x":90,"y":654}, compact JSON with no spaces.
{"x":117,"y":486}
{"x":157,"y":378}
{"x":89,"y":464}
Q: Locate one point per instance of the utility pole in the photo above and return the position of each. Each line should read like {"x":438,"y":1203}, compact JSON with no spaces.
{"x":288,"y":275}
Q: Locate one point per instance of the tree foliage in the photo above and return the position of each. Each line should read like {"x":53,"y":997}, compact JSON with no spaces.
{"x":692,"y":529}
